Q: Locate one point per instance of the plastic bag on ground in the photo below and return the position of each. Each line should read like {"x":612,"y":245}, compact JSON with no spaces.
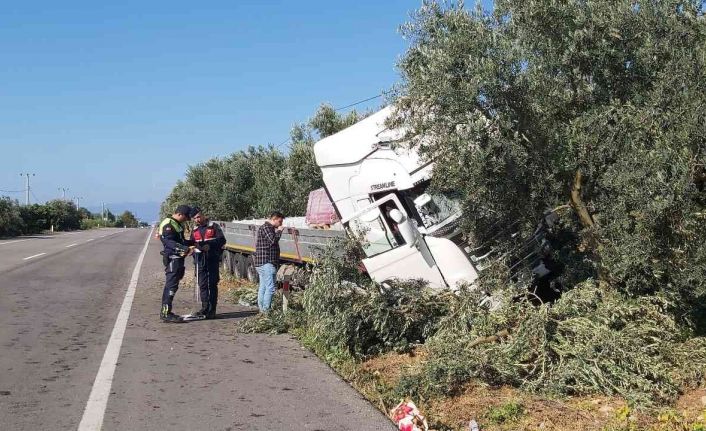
{"x":408,"y":418}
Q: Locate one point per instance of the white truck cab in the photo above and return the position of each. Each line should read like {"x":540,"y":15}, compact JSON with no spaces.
{"x":380,"y":191}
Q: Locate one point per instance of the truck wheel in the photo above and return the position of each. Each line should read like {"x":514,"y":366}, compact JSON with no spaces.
{"x":227,"y":262}
{"x":250,"y":270}
{"x":239,"y":262}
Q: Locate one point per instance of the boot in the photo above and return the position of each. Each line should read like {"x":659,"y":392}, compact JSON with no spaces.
{"x":167,"y":316}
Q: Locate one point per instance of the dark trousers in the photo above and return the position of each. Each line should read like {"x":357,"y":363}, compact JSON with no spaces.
{"x":208,"y":276}
{"x":174,"y":272}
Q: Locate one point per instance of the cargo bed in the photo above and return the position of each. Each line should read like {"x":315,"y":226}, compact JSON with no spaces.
{"x":297,"y":245}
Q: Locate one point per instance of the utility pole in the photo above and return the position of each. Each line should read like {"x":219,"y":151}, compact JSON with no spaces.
{"x":103,"y":211}
{"x":78,"y":201}
{"x":63,"y":191}
{"x":27,"y":187}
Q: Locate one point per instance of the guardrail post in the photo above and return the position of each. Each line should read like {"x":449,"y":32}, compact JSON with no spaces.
{"x":285,"y":296}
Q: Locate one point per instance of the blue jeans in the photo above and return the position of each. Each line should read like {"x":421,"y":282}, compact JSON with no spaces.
{"x":267,"y":288}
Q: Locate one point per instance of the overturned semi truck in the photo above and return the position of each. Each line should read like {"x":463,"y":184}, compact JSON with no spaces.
{"x":379,"y":191}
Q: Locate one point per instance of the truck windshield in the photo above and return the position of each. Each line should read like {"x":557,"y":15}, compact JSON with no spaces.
{"x":432,"y":207}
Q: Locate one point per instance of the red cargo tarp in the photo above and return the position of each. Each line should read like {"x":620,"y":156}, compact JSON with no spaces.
{"x":319,"y":209}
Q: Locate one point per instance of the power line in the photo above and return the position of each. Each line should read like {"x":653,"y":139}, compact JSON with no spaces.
{"x":282,"y":143}
{"x":360,"y":101}
{"x":12,"y":191}
{"x":368,"y":99}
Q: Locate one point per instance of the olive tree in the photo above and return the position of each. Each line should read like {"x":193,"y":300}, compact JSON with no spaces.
{"x":255,"y":181}
{"x":596,"y":109}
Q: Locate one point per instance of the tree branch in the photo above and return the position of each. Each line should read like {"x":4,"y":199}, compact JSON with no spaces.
{"x":577,"y":202}
{"x":490,"y":339}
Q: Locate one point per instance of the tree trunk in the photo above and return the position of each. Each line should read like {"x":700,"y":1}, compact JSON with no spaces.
{"x":577,"y":202}
{"x":587,"y":221}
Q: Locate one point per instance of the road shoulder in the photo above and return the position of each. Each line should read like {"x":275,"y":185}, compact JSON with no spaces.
{"x":202,"y":374}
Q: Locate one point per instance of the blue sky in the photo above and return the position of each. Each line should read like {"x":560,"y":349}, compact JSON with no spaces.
{"x":115,"y":99}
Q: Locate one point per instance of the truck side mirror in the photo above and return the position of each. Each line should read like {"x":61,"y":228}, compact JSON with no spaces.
{"x":396,"y":216}
{"x":406,"y":228}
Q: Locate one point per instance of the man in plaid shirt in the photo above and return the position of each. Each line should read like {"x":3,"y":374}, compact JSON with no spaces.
{"x":267,"y":258}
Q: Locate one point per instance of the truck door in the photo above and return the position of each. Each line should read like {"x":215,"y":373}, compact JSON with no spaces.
{"x":391,"y":250}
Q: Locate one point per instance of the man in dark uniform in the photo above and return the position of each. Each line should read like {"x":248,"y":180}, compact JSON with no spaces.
{"x":209,"y":240}
{"x":176,"y":249}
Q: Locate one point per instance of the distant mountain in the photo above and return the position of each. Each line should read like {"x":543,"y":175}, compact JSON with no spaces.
{"x":144,"y":211}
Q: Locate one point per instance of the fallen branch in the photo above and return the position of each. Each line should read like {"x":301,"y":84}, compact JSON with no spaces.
{"x":490,"y":339}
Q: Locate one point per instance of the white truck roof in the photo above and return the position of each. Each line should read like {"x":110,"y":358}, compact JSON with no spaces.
{"x":352,"y":144}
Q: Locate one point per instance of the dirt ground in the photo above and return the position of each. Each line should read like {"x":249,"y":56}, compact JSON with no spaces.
{"x":489,"y":406}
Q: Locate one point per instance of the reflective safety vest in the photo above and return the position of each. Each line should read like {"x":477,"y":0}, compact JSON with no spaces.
{"x":175,"y":225}
{"x":209,"y":232}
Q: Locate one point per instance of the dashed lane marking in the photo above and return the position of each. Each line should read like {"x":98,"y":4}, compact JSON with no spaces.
{"x":33,"y":256}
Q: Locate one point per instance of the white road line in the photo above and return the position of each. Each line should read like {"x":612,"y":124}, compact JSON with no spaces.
{"x":17,"y":240}
{"x":92,"y":419}
{"x":36,"y":255}
{"x":89,"y":240}
{"x":71,"y":245}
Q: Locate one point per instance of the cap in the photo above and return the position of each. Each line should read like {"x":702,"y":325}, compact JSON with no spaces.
{"x":183,"y":209}
{"x":194,"y":211}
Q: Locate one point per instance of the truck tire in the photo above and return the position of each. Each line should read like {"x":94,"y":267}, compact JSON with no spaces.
{"x":250,"y":271}
{"x":227,"y":261}
{"x":239,"y":262}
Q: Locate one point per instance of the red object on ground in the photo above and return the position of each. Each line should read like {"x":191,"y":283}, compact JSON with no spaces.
{"x":407,"y":417}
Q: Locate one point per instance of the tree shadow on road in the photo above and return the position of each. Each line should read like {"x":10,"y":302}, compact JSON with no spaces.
{"x":235,"y":314}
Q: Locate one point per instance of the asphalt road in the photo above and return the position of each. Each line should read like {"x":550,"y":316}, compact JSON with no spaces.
{"x":60,"y":302}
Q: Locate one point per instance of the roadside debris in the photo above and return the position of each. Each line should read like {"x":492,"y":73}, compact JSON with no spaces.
{"x":408,"y":418}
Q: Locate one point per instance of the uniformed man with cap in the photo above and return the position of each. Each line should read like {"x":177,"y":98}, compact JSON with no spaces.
{"x":176,"y":249}
{"x":209,"y":240}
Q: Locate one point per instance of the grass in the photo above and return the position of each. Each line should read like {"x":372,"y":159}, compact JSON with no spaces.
{"x":238,"y":291}
{"x":508,"y":412}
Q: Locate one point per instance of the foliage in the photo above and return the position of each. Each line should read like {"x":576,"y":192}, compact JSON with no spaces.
{"x":589,"y":341}
{"x":63,"y":215}
{"x":326,"y":121}
{"x":507,"y":412}
{"x":94,"y":223}
{"x":598,"y":105}
{"x":253,"y":182}
{"x":341,"y":310}
{"x":239,"y":291}
{"x":126,"y":219}
{"x":11,"y":223}
{"x":18,"y":219}
{"x":595,"y":109}
{"x":667,"y":420}
{"x":35,"y":217}
{"x":365,"y":318}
